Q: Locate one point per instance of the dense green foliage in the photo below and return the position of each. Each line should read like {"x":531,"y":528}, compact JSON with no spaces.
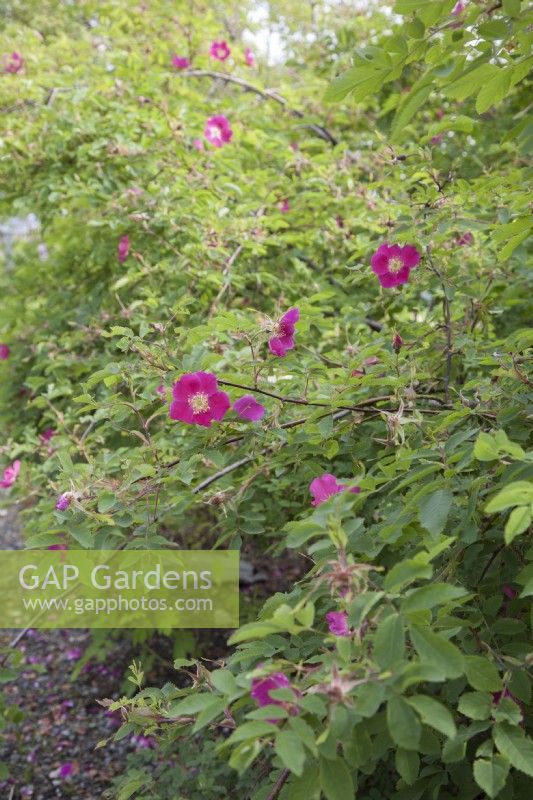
{"x":412,"y":127}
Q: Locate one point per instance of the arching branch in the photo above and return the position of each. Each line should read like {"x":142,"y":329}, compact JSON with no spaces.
{"x":266,"y":94}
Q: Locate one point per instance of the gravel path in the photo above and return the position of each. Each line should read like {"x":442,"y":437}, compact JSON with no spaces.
{"x":50,"y":752}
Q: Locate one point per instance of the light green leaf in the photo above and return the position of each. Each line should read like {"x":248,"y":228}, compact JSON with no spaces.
{"x":290,"y":750}
{"x":482,"y":674}
{"x":405,"y":572}
{"x":491,"y":774}
{"x":389,"y":642}
{"x":407,"y":109}
{"x":362,"y":80}
{"x":434,"y":509}
{"x":433,"y":713}
{"x":515,"y":746}
{"x":407,"y":765}
{"x":518,"y":522}
{"x":335,"y":780}
{"x":476,"y":705}
{"x":517,"y":493}
{"x":403,"y":723}
{"x":434,"y":594}
{"x":437,"y":651}
{"x":493,"y":92}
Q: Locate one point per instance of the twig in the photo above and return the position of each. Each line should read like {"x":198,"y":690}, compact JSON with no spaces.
{"x":226,"y":273}
{"x":489,"y":563}
{"x":301,"y":402}
{"x":220,"y":474}
{"x":447,"y":326}
{"x":449,"y":350}
{"x":278,"y":786}
{"x":266,"y":94}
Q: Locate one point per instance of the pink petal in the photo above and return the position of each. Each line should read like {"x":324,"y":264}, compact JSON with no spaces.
{"x":402,"y":276}
{"x":181,"y":410}
{"x":410,"y":256}
{"x":388,"y":280}
{"x":291,"y":316}
{"x":247,"y":407}
{"x":277,"y":347}
{"x":219,"y":403}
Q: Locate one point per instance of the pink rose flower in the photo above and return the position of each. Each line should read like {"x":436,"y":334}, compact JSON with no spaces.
{"x":197,"y":400}
{"x":162,"y":391}
{"x":46,"y":435}
{"x":397,"y":342}
{"x":218,"y":131}
{"x":458,"y":8}
{"x":13,"y":63}
{"x":220,"y":51}
{"x":249,"y":57}
{"x":180,"y":62}
{"x":435,"y":140}
{"x":464,"y":239}
{"x":63,"y":501}
{"x":326,"y":486}
{"x":74,"y":654}
{"x":65,"y":770}
{"x":57,"y":547}
{"x":284,"y":206}
{"x":283,"y":339}
{"x":247,"y":407}
{"x":393,"y":263}
{"x":10,"y":475}
{"x":4,"y":352}
{"x":338,"y":623}
{"x":197,"y":144}
{"x":261,"y":688}
{"x":509,"y":591}
{"x":123,"y":248}
{"x":367,"y":362}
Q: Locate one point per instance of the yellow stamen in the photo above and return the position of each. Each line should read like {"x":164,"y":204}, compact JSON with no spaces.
{"x":199,"y":402}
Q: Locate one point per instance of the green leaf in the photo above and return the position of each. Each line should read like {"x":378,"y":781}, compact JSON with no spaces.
{"x":209,"y":714}
{"x":438,"y":651}
{"x":403,"y":723}
{"x":491,"y":774}
{"x":511,"y":7}
{"x":433,"y":713}
{"x":290,"y":750}
{"x":405,"y":572}
{"x":485,"y":448}
{"x":517,"y":493}
{"x":470,"y":81}
{"x":407,"y":765}
{"x":389,"y":642}
{"x":362,"y":80}
{"x":515,"y":746}
{"x":518,"y":522}
{"x":434,"y":594}
{"x":493,"y":92}
{"x":476,"y":705}
{"x":434,"y":509}
{"x":305,"y":787}
{"x":192,"y":704}
{"x":407,"y":109}
{"x":252,"y":730}
{"x":482,"y":674}
{"x":335,"y":780}
{"x":224,"y":681}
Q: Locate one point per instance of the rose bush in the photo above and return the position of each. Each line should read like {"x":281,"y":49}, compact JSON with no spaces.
{"x":288,"y":319}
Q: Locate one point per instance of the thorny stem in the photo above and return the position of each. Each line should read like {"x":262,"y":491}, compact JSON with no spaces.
{"x":278,"y":786}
